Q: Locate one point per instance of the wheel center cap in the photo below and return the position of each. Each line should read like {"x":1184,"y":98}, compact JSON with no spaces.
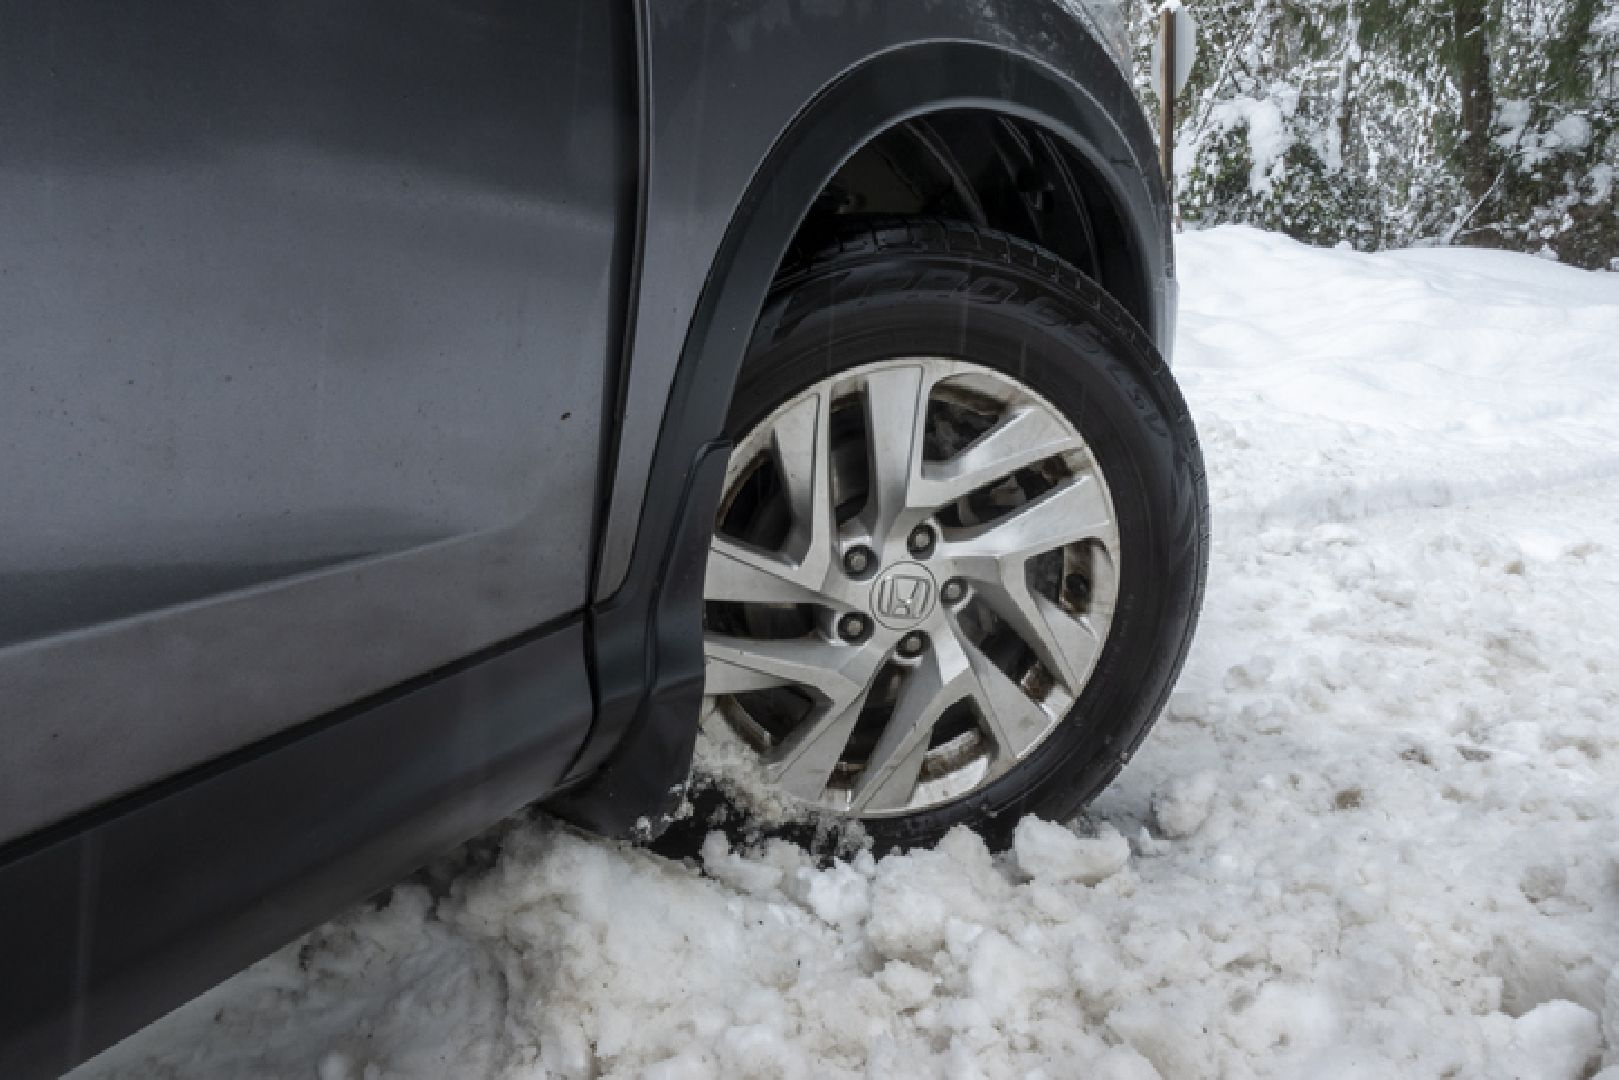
{"x":903,"y":595}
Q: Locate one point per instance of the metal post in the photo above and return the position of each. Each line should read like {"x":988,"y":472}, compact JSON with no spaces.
{"x":1166,"y":98}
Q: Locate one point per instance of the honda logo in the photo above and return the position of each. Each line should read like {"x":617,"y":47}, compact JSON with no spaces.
{"x":903,"y":596}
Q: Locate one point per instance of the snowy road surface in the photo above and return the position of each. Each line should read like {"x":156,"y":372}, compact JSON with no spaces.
{"x":1375,"y":835}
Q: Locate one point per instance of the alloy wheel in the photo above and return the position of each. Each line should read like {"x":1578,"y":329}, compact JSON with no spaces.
{"x":912,"y":577}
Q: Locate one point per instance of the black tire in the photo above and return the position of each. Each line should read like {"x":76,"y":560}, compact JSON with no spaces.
{"x":944,"y":289}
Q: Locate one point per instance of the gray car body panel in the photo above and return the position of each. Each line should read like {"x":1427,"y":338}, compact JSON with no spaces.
{"x":308,"y":312}
{"x":729,"y":80}
{"x":311,"y":327}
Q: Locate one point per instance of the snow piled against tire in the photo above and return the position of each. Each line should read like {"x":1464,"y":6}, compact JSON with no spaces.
{"x":1376,"y":834}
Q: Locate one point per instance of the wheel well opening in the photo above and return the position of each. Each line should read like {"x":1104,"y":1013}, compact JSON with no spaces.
{"x":993,"y":170}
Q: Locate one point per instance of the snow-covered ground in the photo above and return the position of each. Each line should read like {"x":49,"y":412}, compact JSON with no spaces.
{"x":1376,"y":834}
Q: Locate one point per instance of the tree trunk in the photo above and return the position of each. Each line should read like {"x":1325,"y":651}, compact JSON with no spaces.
{"x":1472,"y":69}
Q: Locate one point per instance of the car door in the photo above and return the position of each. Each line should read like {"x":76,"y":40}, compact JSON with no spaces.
{"x":307,"y":308}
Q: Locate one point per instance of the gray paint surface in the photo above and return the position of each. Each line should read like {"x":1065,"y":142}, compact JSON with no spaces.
{"x":306,"y":313}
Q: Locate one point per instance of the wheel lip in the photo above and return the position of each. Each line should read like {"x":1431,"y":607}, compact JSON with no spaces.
{"x":943,"y":791}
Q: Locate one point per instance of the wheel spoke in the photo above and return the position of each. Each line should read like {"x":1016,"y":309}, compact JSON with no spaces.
{"x":941,"y":678}
{"x":738,"y":572}
{"x":803,"y":764}
{"x":896,"y":410}
{"x":736,"y":665}
{"x":1024,"y":436}
{"x":893,"y":786}
{"x":1065,"y":645}
{"x":800,"y":439}
{"x":1015,"y":720}
{"x":1077,"y":509}
{"x":804,"y":761}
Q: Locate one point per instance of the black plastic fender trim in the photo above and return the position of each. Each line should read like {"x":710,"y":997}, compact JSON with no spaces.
{"x":648,"y":647}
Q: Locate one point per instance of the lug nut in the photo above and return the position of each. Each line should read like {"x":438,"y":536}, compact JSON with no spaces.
{"x":921,"y":542}
{"x":953,"y":591}
{"x":858,"y":560}
{"x":853,"y":627}
{"x":913,"y":644}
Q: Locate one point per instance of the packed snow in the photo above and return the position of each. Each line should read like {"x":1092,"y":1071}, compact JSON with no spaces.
{"x":1374,"y":834}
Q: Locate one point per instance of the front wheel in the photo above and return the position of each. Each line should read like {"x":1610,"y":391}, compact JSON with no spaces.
{"x":962,"y":541}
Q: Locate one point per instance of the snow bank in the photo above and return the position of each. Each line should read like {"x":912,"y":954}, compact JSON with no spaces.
{"x":1374,"y":836}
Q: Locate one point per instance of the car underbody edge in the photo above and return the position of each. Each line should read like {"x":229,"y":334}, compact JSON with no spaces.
{"x":108,"y":923}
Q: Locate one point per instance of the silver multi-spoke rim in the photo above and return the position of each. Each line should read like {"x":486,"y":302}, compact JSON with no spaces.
{"x":914,"y":573}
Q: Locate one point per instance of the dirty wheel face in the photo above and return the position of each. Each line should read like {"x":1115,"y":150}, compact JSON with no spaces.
{"x":913,"y":575}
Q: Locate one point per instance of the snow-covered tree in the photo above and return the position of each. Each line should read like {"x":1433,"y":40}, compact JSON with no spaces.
{"x":1387,"y":122}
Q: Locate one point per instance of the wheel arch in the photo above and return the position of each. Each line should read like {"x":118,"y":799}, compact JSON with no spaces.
{"x":1090,"y":160}
{"x":647,"y":646}
{"x":994,"y":170}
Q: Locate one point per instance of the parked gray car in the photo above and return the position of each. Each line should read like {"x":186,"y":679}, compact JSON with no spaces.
{"x":417,"y":409}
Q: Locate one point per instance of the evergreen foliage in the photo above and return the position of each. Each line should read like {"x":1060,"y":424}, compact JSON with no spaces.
{"x":1396,"y":122}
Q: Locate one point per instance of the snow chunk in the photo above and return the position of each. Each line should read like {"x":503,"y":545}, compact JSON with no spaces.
{"x":839,"y":896}
{"x":909,"y":986}
{"x":1049,"y":852}
{"x":1284,"y":1015}
{"x":744,"y":875}
{"x":916,"y":899}
{"x":1544,"y":881}
{"x":1555,"y":1041}
{"x":1183,"y":807}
